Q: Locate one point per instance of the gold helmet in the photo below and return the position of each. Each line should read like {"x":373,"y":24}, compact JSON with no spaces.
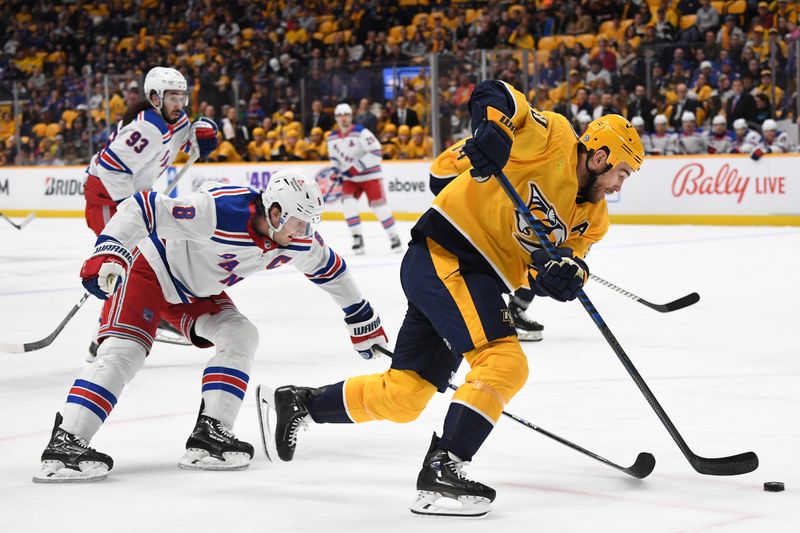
{"x":618,"y":136}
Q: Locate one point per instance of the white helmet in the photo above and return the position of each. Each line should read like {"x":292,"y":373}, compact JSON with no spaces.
{"x":719,"y":120}
{"x":740,"y":124}
{"x":297,"y":195}
{"x":660,"y":119}
{"x":769,"y":125}
{"x":343,"y":109}
{"x":584,"y":118}
{"x":162,"y":79}
{"x":688,"y":116}
{"x":637,"y":121}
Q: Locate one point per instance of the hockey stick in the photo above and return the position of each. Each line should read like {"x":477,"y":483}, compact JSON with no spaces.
{"x":22,"y":224}
{"x":47,"y":341}
{"x":717,"y":466}
{"x":186,"y":166}
{"x":674,"y":305}
{"x":645,"y":462}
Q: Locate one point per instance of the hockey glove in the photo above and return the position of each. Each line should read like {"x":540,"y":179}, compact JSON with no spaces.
{"x":205,"y":136}
{"x":105,"y":270}
{"x":758,"y":153}
{"x":364,"y":326}
{"x":560,"y":279}
{"x":489,"y":148}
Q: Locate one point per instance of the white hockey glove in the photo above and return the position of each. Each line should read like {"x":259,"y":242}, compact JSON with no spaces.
{"x":105,"y":270}
{"x":364,"y":326}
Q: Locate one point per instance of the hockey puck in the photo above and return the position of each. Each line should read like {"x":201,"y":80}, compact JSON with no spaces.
{"x":774,"y":486}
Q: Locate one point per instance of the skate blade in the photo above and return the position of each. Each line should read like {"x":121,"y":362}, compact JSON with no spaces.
{"x":197,"y":459}
{"x":434,"y":504}
{"x":168,"y":337}
{"x":525,"y":335}
{"x":265,"y":404}
{"x":56,"y":472}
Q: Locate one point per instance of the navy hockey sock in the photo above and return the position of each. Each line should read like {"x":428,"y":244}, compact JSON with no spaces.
{"x":464,"y":431}
{"x":327,"y":406}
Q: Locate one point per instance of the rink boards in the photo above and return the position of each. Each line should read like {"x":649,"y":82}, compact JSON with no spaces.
{"x":714,"y":189}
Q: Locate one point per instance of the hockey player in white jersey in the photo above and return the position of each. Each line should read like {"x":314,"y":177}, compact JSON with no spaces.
{"x":149,"y":138}
{"x":172,"y":258}
{"x":718,"y":138}
{"x":662,"y":141}
{"x":356,"y":155}
{"x":773,"y":141}
{"x":745,"y":140}
{"x":690,"y":140}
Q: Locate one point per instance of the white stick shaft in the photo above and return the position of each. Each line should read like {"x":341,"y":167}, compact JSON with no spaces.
{"x":180,"y":174}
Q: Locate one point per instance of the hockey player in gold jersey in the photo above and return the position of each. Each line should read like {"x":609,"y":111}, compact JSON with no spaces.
{"x":467,"y":250}
{"x":592,"y":224}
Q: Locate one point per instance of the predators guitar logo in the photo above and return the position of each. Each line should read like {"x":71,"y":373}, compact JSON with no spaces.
{"x":555,"y":228}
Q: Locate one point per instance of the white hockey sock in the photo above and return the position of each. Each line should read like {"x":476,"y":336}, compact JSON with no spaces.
{"x":226,"y":375}
{"x":96,"y":389}
{"x":350,"y":209}
{"x":384,"y":214}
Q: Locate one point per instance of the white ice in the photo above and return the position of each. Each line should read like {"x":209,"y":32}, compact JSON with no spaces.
{"x":726,"y":370}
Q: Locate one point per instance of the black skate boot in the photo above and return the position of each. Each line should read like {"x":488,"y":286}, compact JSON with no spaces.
{"x":527,"y":329}
{"x":212,"y":446}
{"x":397,"y":246}
{"x":290,"y":406}
{"x":441,"y":477}
{"x":358,"y":244}
{"x":68,"y":458}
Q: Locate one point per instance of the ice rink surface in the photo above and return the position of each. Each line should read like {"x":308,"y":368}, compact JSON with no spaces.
{"x":726,"y":370}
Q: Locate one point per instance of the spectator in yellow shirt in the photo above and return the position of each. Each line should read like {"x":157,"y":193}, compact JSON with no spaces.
{"x":402,"y":141}
{"x":225,"y":152}
{"x":420,"y":146}
{"x":388,"y":141}
{"x":272,"y":151}
{"x":256,"y":147}
{"x":293,"y":146}
{"x":766,"y":88}
{"x":316,"y":147}
{"x":7,"y":126}
{"x":521,"y":38}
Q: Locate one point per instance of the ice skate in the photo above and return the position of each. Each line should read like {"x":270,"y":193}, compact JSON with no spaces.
{"x":212,"y":446}
{"x":527,"y":329}
{"x":290,"y":406}
{"x":444,"y":490}
{"x":358,"y":244}
{"x":69,"y":459}
{"x":397,"y":246}
{"x":168,"y":334}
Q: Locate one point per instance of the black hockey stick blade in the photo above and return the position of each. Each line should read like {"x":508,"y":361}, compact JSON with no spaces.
{"x":47,"y":341}
{"x":641,"y":468}
{"x":734,"y":465}
{"x":680,"y":303}
{"x":22,"y":224}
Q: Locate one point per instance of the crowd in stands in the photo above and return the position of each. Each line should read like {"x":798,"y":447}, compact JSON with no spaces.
{"x":270,"y":73}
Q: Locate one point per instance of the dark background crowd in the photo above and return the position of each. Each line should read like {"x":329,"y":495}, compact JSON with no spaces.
{"x":270,"y":73}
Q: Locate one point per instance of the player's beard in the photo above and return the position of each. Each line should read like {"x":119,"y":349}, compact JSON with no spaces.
{"x":169,"y":118}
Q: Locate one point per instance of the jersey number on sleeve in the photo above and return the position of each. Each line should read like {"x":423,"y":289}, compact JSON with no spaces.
{"x":134,"y":139}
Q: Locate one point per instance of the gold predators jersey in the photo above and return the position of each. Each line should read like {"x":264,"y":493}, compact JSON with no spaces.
{"x":469,"y":217}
